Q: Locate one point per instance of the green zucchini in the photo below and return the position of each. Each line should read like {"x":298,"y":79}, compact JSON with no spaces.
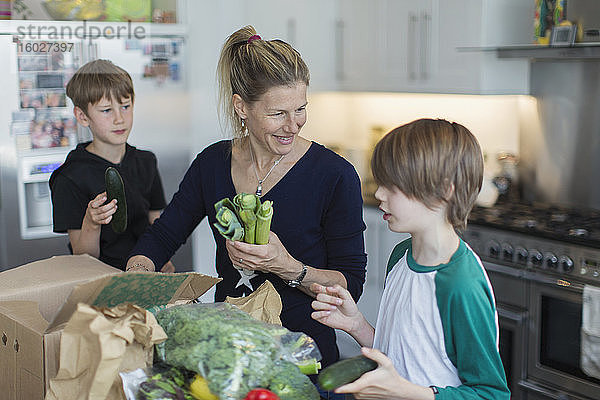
{"x":344,"y":371}
{"x":116,"y":190}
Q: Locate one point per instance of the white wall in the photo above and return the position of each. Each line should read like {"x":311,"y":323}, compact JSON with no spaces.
{"x":346,"y":119}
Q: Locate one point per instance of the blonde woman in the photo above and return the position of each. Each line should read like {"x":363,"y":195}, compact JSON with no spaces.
{"x":317,"y":229}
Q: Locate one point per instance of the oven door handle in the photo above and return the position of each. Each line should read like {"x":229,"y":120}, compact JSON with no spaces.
{"x":534,"y":277}
{"x":517,"y":317}
{"x":554,"y":282}
{"x":551,"y":394}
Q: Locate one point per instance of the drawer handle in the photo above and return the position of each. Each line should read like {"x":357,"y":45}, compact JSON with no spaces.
{"x":4,"y":338}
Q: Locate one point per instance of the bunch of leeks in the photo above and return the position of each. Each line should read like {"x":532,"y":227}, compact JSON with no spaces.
{"x":227,"y":223}
{"x":244,"y":218}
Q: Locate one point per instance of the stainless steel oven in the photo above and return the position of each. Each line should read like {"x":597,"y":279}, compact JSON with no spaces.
{"x":555,"y":340}
{"x":511,"y":303}
{"x":512,"y":346}
{"x":538,"y":260}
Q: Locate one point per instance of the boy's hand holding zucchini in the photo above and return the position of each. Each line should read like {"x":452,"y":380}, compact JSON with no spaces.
{"x":344,"y":371}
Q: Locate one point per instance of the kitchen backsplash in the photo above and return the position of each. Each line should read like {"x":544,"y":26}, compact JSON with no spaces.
{"x":345,"y":121}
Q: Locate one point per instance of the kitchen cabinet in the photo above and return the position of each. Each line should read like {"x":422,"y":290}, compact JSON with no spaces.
{"x":309,"y":26}
{"x":408,"y":46}
{"x":355,"y":45}
{"x":384,"y":43}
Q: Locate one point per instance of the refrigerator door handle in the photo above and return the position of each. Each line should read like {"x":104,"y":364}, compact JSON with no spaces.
{"x":92,"y":52}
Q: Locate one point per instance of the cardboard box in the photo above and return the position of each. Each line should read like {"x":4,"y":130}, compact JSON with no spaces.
{"x":37,"y":299}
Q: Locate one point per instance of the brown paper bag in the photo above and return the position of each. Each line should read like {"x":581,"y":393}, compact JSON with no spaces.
{"x":264,"y":303}
{"x":97,"y":344}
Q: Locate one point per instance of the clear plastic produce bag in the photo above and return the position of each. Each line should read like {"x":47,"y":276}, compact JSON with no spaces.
{"x":232,"y":350}
{"x":159,"y":382}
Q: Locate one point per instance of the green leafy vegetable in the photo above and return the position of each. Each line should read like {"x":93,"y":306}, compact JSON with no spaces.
{"x":169,"y":383}
{"x":231,"y":350}
{"x":247,"y":208}
{"x":227,"y":223}
{"x":289,"y":383}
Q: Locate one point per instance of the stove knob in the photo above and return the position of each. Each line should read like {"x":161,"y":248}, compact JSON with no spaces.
{"x":507,"y":252}
{"x":493,"y":249}
{"x":566,"y":263}
{"x":551,"y":261}
{"x":536,"y":257}
{"x":522,"y":255}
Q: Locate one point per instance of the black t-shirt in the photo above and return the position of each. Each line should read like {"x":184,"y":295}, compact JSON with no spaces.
{"x":81,"y":178}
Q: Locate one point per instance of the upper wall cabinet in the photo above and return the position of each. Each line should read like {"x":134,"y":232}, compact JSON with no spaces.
{"x":422,"y":46}
{"x":308,"y":25}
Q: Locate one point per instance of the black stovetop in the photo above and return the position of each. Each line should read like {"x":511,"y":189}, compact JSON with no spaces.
{"x":578,"y":226}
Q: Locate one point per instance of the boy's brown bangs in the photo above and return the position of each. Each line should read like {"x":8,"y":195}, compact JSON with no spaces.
{"x":382,"y":170}
{"x":108,"y":86}
{"x":99,"y":79}
{"x":385,"y":160}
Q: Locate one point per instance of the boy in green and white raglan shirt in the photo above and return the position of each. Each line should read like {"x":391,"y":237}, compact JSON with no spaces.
{"x":437,"y":320}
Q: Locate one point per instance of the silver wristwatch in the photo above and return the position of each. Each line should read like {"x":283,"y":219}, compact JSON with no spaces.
{"x":296,"y":282}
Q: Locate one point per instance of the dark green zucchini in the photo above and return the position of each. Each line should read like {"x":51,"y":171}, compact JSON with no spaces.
{"x":344,"y":371}
{"x":116,"y":190}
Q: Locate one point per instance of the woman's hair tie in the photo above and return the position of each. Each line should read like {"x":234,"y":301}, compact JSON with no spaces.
{"x":254,"y":37}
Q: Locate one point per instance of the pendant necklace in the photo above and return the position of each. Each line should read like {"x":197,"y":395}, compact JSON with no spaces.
{"x":260,"y":181}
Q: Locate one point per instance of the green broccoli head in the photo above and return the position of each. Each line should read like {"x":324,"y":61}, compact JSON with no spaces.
{"x":290,"y":384}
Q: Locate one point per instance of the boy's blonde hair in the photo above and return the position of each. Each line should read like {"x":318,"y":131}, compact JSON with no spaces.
{"x":425,"y":159}
{"x":98,"y":79}
{"x":249,"y":66}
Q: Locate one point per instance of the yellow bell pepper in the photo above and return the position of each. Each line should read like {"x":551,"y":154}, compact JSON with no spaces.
{"x":199,"y":389}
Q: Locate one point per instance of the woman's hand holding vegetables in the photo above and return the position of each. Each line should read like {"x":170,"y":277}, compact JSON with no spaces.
{"x":384,"y":382}
{"x":98,"y":213}
{"x":271,"y":257}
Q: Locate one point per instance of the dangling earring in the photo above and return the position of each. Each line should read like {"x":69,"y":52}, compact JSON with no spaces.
{"x":244,"y":128}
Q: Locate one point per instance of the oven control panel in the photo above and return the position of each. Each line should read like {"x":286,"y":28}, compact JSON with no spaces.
{"x":530,"y":253}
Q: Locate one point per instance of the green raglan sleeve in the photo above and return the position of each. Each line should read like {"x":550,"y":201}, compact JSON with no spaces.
{"x":397,"y":253}
{"x":469,"y":321}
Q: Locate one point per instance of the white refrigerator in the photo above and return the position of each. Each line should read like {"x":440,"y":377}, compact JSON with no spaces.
{"x":37,"y":129}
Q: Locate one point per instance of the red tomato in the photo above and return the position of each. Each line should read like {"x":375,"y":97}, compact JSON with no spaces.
{"x":261,"y":394}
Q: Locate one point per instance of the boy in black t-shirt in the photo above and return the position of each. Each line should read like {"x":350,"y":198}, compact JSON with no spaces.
{"x":103,"y":96}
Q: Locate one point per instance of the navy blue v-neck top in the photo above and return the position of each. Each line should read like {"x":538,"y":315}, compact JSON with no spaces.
{"x":317,"y":216}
